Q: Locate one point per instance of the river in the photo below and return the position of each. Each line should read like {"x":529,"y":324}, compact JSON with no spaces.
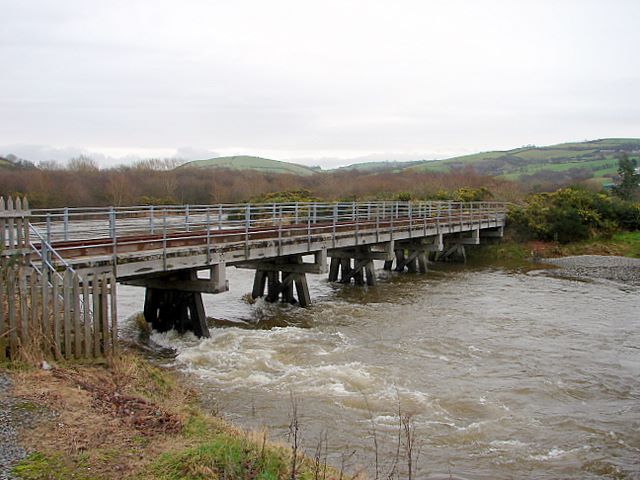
{"x":502,"y":372}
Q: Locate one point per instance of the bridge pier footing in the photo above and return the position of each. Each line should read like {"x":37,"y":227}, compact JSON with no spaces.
{"x":357,"y":264}
{"x":281,"y":285}
{"x":286,"y":279}
{"x":412,"y":256}
{"x":454,"y":252}
{"x":175,"y":309}
{"x":173,"y":300}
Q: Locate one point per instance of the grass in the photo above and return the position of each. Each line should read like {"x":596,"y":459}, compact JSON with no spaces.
{"x":222,"y":457}
{"x":624,"y":244}
{"x":597,"y":155}
{"x":39,"y":466}
{"x":246,"y":162}
{"x":132,"y":420}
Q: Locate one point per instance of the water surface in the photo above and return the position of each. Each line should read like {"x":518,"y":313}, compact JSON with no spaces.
{"x":505,"y":372}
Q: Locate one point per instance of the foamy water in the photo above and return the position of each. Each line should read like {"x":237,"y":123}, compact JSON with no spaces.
{"x":507,"y":374}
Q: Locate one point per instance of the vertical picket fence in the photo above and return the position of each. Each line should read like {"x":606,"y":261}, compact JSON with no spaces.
{"x":45,"y":312}
{"x":14,"y":225}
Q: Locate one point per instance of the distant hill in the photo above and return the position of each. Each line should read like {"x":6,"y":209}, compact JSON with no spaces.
{"x":595,"y":159}
{"x":12,"y":162}
{"x":383,"y":166}
{"x":246,"y":162}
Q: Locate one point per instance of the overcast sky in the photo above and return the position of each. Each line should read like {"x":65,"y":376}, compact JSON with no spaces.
{"x":317,"y":82}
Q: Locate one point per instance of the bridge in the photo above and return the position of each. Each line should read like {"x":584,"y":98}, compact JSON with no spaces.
{"x":179,"y":252}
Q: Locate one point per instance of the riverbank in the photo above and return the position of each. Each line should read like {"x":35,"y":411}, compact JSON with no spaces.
{"x":622,"y":244}
{"x":617,"y":269}
{"x":130,"y":419}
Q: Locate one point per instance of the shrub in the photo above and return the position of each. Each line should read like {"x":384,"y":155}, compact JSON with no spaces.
{"x":572,"y":214}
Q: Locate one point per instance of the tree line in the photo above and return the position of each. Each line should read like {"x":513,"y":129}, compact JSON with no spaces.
{"x":82,"y":183}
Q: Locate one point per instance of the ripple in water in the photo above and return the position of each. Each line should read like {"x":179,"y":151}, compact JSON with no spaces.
{"x":506,"y":373}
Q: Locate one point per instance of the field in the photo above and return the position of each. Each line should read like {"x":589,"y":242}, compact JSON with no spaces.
{"x":246,"y":162}
{"x":4,"y":163}
{"x":595,"y":159}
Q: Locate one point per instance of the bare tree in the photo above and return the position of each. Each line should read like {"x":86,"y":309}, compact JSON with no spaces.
{"x":82,"y":164}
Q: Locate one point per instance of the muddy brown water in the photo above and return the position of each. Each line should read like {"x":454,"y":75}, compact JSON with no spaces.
{"x":506,"y":372}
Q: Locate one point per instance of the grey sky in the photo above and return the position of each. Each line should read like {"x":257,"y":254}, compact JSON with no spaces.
{"x":318,"y":82}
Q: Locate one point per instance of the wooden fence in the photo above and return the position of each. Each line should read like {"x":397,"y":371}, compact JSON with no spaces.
{"x":14,"y":225}
{"x":46,"y":309}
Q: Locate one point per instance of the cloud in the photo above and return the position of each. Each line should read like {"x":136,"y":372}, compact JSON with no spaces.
{"x":130,"y":79}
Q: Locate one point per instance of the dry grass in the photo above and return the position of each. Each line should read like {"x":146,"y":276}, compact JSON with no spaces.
{"x":128,"y":419}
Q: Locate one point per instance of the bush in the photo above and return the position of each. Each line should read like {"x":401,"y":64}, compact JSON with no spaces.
{"x":573,"y":214}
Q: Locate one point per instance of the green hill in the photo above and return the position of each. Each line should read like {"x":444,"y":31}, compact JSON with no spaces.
{"x":246,"y":162}
{"x":11,"y":162}
{"x":381,"y":166}
{"x":595,"y":159}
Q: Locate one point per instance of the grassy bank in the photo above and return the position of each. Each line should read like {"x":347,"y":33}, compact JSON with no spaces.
{"x":624,"y":244}
{"x":132,"y":420}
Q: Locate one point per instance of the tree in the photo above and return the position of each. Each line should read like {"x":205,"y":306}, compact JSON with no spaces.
{"x":82,"y":164}
{"x":629,"y":177}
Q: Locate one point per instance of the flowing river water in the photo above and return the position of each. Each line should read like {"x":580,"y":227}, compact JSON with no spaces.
{"x":504,"y":372}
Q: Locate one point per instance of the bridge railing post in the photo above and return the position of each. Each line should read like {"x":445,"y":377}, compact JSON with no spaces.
{"x":391,"y":225}
{"x":164,"y":239}
{"x":48,"y":228}
{"x":280,"y":231}
{"x":186,"y":217}
{"x":377,"y":222}
{"x":151,"y":225}
{"x":357,"y":221}
{"x":208,"y":221}
{"x":65,"y":217}
{"x":113,"y":233}
{"x":247,"y":226}
{"x":308,"y":230}
{"x":333,"y":227}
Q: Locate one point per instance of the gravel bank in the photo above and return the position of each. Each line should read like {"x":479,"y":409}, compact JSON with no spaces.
{"x":12,"y":416}
{"x":617,"y":269}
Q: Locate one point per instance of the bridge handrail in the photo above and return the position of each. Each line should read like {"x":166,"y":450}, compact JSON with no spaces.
{"x":112,"y":228}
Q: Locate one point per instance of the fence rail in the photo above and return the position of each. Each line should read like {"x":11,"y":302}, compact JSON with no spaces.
{"x":45,"y":310}
{"x":59,"y":316}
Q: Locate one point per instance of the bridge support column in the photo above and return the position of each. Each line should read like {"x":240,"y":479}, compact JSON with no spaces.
{"x":455,"y":246}
{"x":285,"y":278}
{"x":175,"y":309}
{"x":412,"y":256}
{"x":357,"y":263}
{"x":454,"y":252}
{"x":173,"y":300}
{"x":280,"y":281}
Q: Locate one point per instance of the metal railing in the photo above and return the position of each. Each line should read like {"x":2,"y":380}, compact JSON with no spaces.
{"x":94,"y":228}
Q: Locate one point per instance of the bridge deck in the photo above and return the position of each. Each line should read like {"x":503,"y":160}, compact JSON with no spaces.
{"x":70,"y":260}
{"x":145,"y":240}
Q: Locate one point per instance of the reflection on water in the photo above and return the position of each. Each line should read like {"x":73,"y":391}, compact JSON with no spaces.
{"x":507,"y":373}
